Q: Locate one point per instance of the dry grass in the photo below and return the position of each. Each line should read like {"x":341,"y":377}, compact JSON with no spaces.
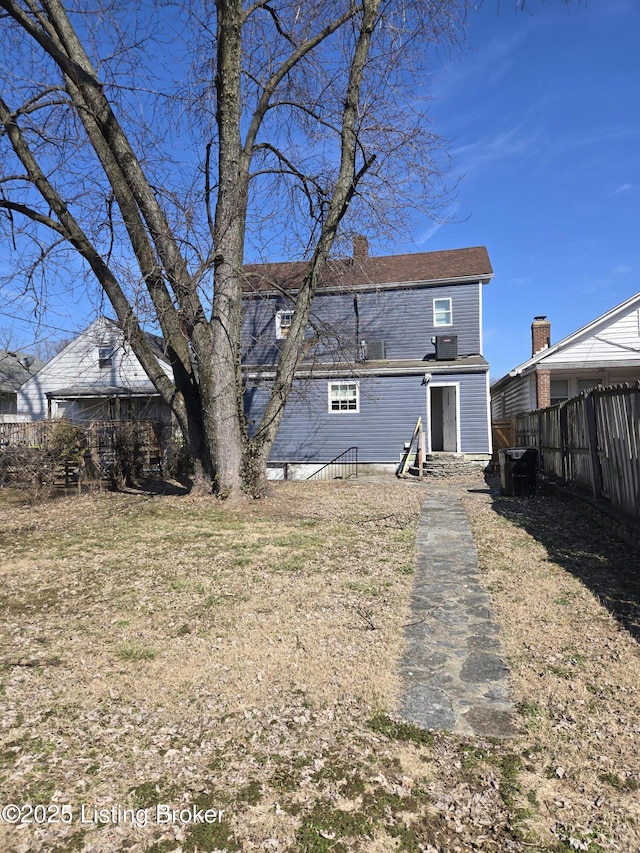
{"x":568,"y":598}
{"x":173,"y":650}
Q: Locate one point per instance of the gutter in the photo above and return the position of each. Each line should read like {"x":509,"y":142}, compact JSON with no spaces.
{"x":373,"y":287}
{"x":330,"y":373}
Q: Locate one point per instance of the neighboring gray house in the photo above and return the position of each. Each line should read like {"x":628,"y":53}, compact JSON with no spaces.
{"x":96,"y":377}
{"x":604,"y":352}
{"x":15,"y":369}
{"x":392,"y":339}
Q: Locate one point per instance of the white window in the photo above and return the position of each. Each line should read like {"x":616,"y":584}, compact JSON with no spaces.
{"x":283,"y":324}
{"x":587,"y":384}
{"x":442,"y":315}
{"x":559,"y":391}
{"x":105,"y":355}
{"x":344,"y":397}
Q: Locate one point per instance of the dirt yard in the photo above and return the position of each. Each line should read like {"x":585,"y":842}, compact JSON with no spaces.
{"x":178,"y":675}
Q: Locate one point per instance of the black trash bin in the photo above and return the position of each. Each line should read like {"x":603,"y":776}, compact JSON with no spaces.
{"x":518,"y":467}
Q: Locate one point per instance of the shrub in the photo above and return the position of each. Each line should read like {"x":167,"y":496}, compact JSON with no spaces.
{"x":32,"y":467}
{"x":128,"y":454}
{"x":66,"y":442}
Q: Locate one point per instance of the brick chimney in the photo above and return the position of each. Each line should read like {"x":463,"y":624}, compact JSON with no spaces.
{"x":360,"y":249}
{"x":540,"y":334}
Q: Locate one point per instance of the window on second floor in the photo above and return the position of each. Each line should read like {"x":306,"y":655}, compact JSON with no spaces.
{"x":344,"y":397}
{"x":283,"y":324}
{"x":442,"y":314}
{"x":105,"y":355}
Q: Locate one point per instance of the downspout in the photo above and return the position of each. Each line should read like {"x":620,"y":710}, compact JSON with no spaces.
{"x":357,"y":314}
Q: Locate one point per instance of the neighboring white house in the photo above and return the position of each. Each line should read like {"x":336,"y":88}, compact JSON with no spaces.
{"x":95,"y":377}
{"x":604,"y":352}
{"x":15,"y":369}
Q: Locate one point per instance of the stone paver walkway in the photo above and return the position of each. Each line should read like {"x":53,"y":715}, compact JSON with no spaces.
{"x":454,"y":675}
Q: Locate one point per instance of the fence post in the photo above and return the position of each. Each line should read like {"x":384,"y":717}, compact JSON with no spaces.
{"x":564,"y":441}
{"x":539,"y":439}
{"x":421,"y":453}
{"x":592,"y":435}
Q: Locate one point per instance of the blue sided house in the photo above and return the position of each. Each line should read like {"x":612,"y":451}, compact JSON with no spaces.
{"x":391,"y":339}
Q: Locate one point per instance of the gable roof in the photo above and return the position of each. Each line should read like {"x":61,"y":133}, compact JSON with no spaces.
{"x":15,"y":369}
{"x":95,"y":329}
{"x":51,"y":376}
{"x":156,"y":343}
{"x":451,"y":265}
{"x":595,"y":325}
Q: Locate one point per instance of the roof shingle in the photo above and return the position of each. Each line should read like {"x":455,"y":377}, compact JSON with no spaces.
{"x":449,"y":265}
{"x":14,"y":370}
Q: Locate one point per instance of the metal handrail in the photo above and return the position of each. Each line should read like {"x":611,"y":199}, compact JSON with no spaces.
{"x":346,"y":462}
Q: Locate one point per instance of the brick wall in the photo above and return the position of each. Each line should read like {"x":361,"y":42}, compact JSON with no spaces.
{"x":543,"y":388}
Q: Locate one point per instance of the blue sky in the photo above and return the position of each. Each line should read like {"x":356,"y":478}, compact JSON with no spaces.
{"x":543,"y":112}
{"x":542,"y":109}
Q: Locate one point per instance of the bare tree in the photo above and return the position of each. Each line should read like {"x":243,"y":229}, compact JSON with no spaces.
{"x":156,"y":142}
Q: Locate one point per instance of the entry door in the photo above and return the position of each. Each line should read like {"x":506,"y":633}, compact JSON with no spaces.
{"x":443,"y":411}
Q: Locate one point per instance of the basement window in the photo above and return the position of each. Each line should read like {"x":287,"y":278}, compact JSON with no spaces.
{"x":344,"y":397}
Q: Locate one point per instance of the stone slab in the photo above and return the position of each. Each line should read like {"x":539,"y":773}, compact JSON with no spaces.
{"x":454,"y":674}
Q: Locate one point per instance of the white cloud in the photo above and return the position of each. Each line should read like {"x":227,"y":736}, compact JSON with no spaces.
{"x":428,"y":233}
{"x":508,"y":143}
{"x":623,"y":188}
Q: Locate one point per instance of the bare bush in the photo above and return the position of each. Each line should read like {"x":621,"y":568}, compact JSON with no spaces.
{"x":30,"y":467}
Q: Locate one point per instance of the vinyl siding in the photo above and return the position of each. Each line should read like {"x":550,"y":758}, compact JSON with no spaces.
{"x":474,"y":417}
{"x":77,"y":365}
{"x":389,"y":409}
{"x":519,"y":396}
{"x":401,"y":317}
{"x":615,"y":343}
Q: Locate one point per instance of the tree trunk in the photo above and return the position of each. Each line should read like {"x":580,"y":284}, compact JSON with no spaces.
{"x":221,"y":382}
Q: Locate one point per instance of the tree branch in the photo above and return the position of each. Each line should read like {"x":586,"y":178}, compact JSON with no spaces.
{"x":305,"y":180}
{"x":345,"y":186}
{"x":32,"y":214}
{"x":290,"y":63}
{"x":69,"y":227}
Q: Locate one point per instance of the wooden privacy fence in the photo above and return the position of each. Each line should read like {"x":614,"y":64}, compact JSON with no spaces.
{"x":503,"y":435}
{"x":591,"y":441}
